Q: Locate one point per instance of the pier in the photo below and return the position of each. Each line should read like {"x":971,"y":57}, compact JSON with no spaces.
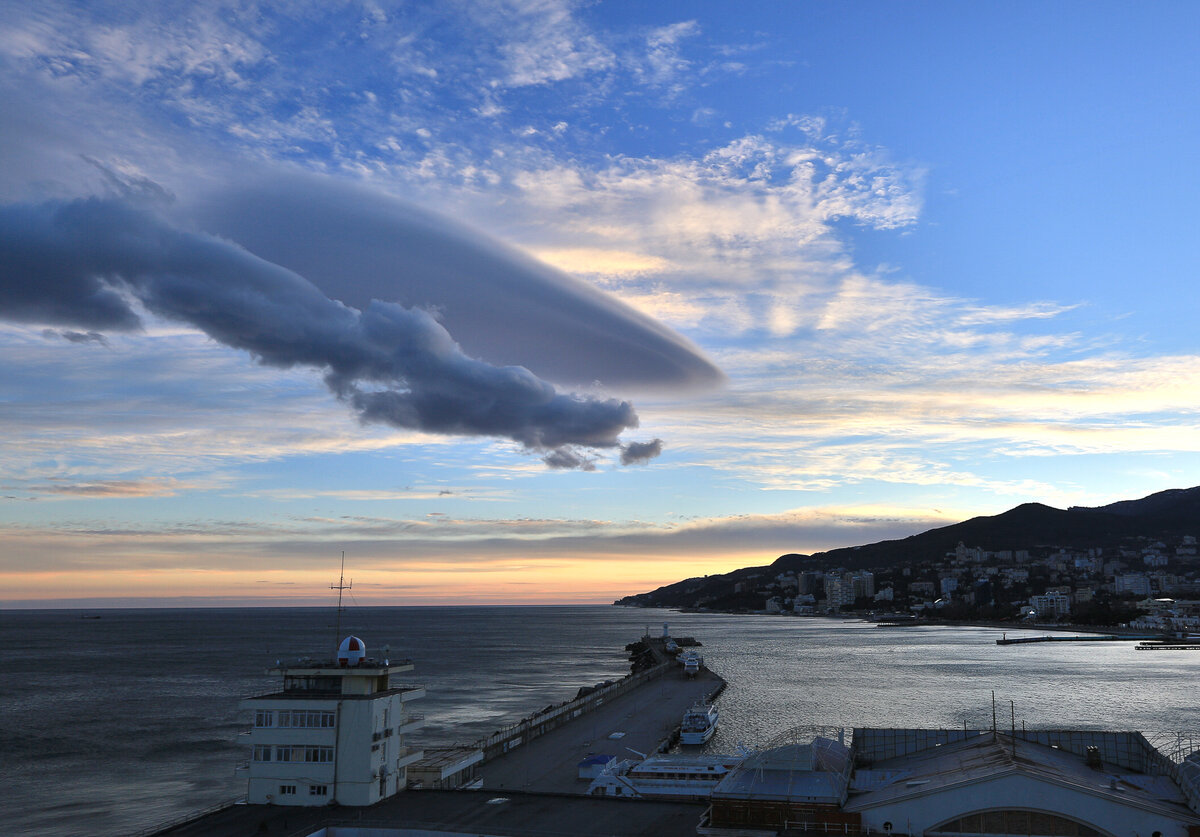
{"x":640,"y":721}
{"x":1027,"y":640}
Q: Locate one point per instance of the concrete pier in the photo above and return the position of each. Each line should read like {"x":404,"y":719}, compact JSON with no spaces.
{"x":639,"y":720}
{"x":1030,"y":640}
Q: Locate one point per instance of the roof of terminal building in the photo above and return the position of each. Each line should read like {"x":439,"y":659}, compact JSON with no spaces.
{"x":816,"y":772}
{"x":989,"y":755}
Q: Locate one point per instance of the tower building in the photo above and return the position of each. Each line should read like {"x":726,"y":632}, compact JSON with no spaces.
{"x":334,"y":733}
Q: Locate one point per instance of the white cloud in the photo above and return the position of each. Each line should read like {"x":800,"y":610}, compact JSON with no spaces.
{"x":664,"y":63}
{"x":543,"y":41}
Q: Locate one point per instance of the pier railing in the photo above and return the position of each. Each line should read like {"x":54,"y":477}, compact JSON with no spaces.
{"x":526,"y":730}
{"x":184,"y":818}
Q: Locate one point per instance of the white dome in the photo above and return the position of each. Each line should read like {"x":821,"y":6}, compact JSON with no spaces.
{"x":352,"y":651}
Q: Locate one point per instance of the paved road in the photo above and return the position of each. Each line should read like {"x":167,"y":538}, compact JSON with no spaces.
{"x":642,"y":717}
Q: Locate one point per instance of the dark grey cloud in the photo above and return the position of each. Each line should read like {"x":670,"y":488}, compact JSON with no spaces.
{"x":638,"y":452}
{"x":75,"y":336}
{"x":40,"y":283}
{"x":503,"y":306}
{"x":91,"y":263}
{"x":566,"y":458}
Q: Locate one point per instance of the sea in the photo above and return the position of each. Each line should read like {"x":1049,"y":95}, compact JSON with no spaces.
{"x":117,"y":724}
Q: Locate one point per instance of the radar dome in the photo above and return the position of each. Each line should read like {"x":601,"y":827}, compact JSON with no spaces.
{"x":351,"y":651}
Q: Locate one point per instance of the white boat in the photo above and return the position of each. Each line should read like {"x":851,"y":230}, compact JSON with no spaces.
{"x":670,"y":776}
{"x":699,"y":724}
{"x":691,"y":662}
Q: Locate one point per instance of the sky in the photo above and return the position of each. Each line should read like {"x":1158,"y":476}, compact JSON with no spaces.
{"x":536,"y":301}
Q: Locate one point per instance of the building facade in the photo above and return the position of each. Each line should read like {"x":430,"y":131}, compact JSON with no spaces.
{"x":334,"y":732}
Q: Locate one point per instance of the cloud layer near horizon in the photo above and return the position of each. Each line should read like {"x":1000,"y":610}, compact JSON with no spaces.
{"x":91,"y":264}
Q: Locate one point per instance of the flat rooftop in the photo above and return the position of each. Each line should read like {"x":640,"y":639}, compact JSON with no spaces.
{"x":460,"y":812}
{"x":988,"y":754}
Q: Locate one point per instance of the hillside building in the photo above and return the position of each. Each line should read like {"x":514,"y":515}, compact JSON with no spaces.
{"x":1051,"y":604}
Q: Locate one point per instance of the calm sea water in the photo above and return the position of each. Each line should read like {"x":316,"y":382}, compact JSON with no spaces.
{"x":111,"y":725}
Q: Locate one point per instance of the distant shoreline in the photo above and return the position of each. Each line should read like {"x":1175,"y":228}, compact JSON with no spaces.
{"x":1003,"y":626}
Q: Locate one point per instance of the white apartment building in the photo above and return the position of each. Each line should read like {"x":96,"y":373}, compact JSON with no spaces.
{"x":1051,"y":604}
{"x":1132,"y":583}
{"x":334,"y":733}
{"x":846,"y":589}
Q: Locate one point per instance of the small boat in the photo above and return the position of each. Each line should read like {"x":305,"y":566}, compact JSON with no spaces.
{"x":699,"y":724}
{"x":691,"y":662}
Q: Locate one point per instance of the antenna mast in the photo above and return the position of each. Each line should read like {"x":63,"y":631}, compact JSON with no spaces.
{"x":340,"y":586}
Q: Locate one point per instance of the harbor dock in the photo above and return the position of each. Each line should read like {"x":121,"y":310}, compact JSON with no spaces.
{"x":640,"y":721}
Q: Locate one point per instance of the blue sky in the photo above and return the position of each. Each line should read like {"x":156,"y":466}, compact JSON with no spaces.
{"x":552,"y":301}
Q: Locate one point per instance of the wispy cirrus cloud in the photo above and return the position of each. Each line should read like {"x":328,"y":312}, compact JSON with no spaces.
{"x":543,"y":41}
{"x":464,"y":542}
{"x":111,"y":488}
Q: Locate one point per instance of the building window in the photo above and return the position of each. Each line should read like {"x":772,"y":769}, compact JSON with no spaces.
{"x":1014,"y":821}
{"x":306,"y":719}
{"x":287,"y":790}
{"x":318,"y":790}
{"x":262,"y":752}
{"x":264,"y":718}
{"x":320,"y":755}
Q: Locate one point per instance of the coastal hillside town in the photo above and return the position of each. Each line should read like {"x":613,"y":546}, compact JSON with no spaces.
{"x":1030,"y":565}
{"x":1154,"y":587}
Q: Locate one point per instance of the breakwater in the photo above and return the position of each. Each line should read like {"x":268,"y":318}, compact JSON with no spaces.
{"x":1028,"y":640}
{"x":641,"y":714}
{"x":533,"y":727}
{"x":551,"y":718}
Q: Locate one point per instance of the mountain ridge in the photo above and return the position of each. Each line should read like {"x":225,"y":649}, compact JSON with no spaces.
{"x":1169,"y":513}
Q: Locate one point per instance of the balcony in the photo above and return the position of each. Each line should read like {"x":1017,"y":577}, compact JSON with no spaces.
{"x":411,"y":724}
{"x":409,"y":756}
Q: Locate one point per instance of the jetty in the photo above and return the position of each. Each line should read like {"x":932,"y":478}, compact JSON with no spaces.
{"x":1027,"y":640}
{"x":640,"y":720}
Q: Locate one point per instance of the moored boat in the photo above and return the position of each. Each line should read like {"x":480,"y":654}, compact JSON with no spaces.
{"x":669,"y":776}
{"x":699,"y":724}
{"x":691,"y":662}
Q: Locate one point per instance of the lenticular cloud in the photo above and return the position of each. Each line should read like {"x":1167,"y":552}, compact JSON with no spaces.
{"x":89,"y":264}
{"x":501,"y":305}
